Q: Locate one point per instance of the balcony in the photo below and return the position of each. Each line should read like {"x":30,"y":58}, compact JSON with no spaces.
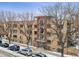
{"x":42,"y":41}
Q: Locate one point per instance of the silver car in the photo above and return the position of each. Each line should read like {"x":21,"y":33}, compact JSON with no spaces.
{"x":26,"y":51}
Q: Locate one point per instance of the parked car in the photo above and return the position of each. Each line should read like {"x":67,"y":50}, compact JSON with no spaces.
{"x":26,"y":51}
{"x":0,"y":42}
{"x":14,"y":48}
{"x":5,"y":45}
{"x":39,"y":55}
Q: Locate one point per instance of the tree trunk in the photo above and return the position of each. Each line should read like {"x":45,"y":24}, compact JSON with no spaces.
{"x":9,"y":41}
{"x":62,"y":50}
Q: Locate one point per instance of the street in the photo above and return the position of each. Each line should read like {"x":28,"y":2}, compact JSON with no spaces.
{"x":4,"y":54}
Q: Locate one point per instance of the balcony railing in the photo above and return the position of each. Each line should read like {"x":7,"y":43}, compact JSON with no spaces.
{"x":42,"y":41}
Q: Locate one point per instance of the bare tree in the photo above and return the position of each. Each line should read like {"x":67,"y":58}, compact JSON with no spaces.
{"x":7,"y":18}
{"x":65,"y":16}
{"x":57,"y":11}
{"x":11,"y":16}
{"x":25,"y":17}
{"x":3,"y":19}
{"x":72,"y":29}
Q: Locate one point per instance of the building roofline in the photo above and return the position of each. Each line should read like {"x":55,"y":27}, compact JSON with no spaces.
{"x":44,"y":16}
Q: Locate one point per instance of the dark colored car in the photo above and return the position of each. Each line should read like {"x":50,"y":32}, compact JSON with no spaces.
{"x":39,"y":55}
{"x":5,"y":45}
{"x":14,"y":48}
{"x":0,"y":42}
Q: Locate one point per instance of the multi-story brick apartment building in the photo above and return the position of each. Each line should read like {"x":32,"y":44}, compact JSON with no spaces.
{"x":42,"y":35}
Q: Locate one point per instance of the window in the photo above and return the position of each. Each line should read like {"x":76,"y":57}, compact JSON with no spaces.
{"x":21,"y":26}
{"x":14,"y":31}
{"x":15,"y":25}
{"x":68,"y":23}
{"x":15,"y":36}
{"x":41,"y":30}
{"x":6,"y":35}
{"x":35,"y":26}
{"x":41,"y":22}
{"x":49,"y":25}
{"x":35,"y":32}
{"x":48,"y":41}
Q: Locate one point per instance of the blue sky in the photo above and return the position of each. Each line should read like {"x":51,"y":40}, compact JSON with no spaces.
{"x":24,"y":6}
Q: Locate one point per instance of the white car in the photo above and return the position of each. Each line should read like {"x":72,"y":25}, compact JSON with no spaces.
{"x":26,"y":51}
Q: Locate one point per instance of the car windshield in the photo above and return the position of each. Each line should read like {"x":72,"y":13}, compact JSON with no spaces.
{"x":30,"y":50}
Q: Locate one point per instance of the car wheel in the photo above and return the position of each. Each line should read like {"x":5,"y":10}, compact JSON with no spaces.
{"x":26,"y":54}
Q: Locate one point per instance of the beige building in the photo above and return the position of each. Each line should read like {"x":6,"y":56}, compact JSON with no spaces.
{"x":41,"y":33}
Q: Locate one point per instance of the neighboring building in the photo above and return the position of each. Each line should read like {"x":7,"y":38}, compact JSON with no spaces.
{"x":76,"y":24}
{"x":17,"y":34}
{"x":1,"y":29}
